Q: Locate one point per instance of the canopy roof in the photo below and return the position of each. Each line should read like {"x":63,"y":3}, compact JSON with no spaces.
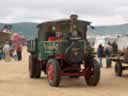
{"x":63,"y":21}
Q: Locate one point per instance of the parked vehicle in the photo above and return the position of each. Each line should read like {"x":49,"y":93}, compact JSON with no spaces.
{"x":60,"y":49}
{"x":121,"y":62}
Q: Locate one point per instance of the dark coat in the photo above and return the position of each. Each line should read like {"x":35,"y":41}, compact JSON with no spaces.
{"x":100,"y":52}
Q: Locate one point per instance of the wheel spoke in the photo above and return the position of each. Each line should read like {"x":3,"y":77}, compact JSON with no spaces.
{"x":51,"y":72}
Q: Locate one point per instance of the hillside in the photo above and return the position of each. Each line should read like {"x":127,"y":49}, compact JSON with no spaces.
{"x":29,"y":29}
{"x":110,"y":30}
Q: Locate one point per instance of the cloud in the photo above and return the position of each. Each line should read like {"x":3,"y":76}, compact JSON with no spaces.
{"x":99,"y":11}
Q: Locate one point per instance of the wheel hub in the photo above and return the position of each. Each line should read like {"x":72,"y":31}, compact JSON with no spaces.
{"x":51,"y":72}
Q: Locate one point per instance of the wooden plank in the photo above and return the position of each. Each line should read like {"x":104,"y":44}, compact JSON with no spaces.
{"x":116,"y":59}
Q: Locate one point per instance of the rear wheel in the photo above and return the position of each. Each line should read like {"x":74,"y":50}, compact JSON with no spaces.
{"x":53,"y":72}
{"x":93,"y":78}
{"x":118,"y":69}
{"x":34,"y":67}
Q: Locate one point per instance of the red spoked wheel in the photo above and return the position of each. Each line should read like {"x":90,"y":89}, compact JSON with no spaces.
{"x":53,"y":72}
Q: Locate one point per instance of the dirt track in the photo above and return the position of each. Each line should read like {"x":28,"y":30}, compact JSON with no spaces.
{"x":14,"y":81}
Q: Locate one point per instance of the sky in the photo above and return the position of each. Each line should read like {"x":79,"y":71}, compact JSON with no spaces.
{"x":99,"y":12}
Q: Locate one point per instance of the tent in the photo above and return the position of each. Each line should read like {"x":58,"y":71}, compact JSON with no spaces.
{"x":122,"y":42}
{"x":18,"y":39}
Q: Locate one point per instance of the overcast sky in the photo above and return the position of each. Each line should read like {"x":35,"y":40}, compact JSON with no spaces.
{"x":99,"y":12}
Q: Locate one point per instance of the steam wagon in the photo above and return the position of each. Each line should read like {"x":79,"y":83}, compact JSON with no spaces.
{"x":62,"y":49}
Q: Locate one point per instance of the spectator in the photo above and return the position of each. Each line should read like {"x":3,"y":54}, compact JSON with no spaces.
{"x":108,"y":52}
{"x":114,"y":48}
{"x":100,"y":53}
{"x":1,"y":52}
{"x":19,"y":52}
{"x":6,"y":50}
{"x":125,"y":54}
{"x":15,"y":54}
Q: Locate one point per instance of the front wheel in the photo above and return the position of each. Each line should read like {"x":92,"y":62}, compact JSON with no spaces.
{"x":93,"y":78}
{"x":53,"y":72}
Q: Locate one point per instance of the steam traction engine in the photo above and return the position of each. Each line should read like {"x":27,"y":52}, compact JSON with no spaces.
{"x":61,"y":49}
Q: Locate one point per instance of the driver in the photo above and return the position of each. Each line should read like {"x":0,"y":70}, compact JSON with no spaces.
{"x":76,"y":32}
{"x":59,"y":35}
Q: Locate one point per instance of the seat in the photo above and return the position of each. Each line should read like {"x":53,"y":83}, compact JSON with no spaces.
{"x":51,"y":38}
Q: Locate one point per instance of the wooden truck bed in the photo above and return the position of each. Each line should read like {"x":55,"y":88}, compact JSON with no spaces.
{"x":116,"y":59}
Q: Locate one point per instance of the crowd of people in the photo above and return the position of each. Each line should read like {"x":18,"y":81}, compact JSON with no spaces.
{"x":14,"y":50}
{"x":10,"y":50}
{"x":111,"y":49}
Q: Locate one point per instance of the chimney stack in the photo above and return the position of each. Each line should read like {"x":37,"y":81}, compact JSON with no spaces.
{"x":74,"y":17}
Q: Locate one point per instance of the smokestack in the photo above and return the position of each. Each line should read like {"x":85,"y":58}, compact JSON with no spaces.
{"x":74,"y":17}
{"x":73,"y":23}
